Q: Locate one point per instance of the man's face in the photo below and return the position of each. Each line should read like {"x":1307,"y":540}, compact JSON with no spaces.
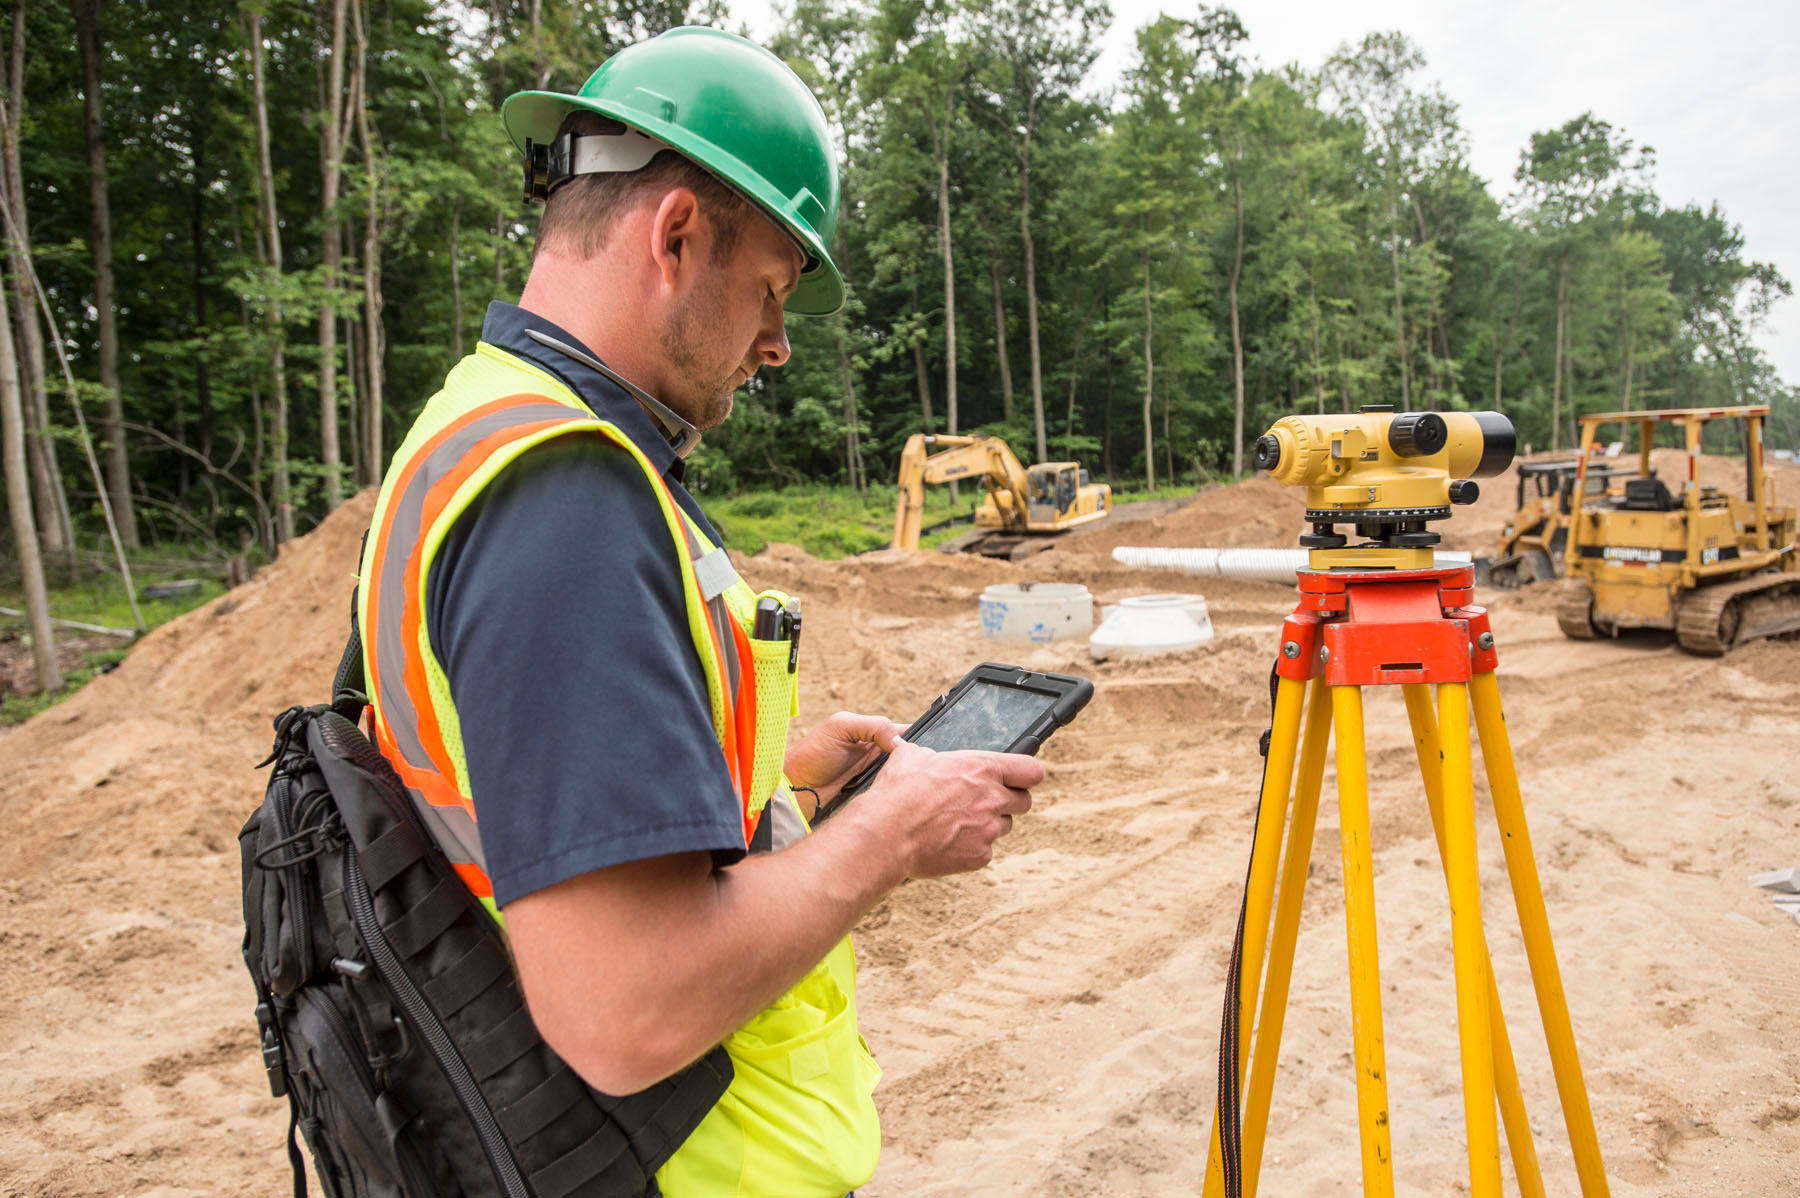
{"x":730,"y":324}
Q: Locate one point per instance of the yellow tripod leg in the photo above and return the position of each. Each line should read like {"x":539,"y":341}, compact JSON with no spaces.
{"x":1287,"y":927}
{"x":1534,"y":924}
{"x":1278,"y":774}
{"x":1359,"y":921}
{"x":1506,"y":1071}
{"x":1472,"y":1017}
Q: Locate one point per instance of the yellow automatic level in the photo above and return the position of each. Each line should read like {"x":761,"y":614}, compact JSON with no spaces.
{"x":1389,"y":474}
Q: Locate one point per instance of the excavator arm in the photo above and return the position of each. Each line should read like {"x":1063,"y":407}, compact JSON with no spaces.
{"x":943,"y":458}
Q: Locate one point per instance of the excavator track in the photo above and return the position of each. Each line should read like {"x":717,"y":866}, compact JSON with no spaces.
{"x":1715,"y":618}
{"x":1575,"y":611}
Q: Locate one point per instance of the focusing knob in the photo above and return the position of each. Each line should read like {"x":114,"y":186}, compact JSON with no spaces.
{"x":1268,"y":451}
{"x":1417,"y":434}
{"x":1464,"y":491}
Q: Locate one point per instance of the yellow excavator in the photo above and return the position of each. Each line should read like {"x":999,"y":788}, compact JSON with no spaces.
{"x":1715,"y":568}
{"x":1022,"y":508}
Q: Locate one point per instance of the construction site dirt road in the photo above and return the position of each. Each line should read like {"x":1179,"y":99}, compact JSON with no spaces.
{"x":1049,"y":1025}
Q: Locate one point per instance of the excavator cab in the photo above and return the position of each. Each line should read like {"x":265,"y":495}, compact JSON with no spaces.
{"x":1051,"y":491}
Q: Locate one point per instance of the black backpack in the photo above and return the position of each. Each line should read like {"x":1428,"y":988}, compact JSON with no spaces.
{"x":389,"y":1012}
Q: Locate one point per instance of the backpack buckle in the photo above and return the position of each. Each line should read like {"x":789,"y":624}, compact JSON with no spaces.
{"x":274,"y":1063}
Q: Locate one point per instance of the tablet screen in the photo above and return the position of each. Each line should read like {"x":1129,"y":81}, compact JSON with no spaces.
{"x":986,"y":716}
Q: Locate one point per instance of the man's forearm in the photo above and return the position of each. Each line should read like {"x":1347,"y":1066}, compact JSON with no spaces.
{"x":636,"y":970}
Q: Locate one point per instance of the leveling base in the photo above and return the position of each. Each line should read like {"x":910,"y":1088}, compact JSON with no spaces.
{"x":1412,"y":629}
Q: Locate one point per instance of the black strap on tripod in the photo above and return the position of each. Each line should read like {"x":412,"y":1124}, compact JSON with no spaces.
{"x":1231,"y":1131}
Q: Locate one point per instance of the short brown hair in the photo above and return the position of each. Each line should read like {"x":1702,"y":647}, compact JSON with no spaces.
{"x":582,"y":211}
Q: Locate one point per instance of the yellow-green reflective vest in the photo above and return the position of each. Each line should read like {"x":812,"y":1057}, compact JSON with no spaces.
{"x":798,"y":1119}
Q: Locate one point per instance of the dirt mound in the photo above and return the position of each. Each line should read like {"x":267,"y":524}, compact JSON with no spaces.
{"x":1047,"y":1025}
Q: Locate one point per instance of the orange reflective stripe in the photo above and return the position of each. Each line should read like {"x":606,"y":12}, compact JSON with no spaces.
{"x":744,"y":715}
{"x":397,"y":486}
{"x":418,"y":686}
{"x":473,"y":877}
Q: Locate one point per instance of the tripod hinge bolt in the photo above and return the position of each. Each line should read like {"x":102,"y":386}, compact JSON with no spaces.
{"x":1290,"y":649}
{"x":1485,"y":641}
{"x":1324,"y":653}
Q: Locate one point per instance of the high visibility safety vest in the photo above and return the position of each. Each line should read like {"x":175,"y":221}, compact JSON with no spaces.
{"x":798,"y":1119}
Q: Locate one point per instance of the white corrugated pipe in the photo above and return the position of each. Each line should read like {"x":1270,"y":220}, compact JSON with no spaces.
{"x":1262,"y":565}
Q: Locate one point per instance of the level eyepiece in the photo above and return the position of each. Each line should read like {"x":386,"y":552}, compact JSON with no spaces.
{"x":1267,"y":453}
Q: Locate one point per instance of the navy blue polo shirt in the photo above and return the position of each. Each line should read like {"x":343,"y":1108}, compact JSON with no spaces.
{"x":556,"y":607}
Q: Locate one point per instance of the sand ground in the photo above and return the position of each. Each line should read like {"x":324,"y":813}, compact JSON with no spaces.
{"x":1048,"y":1025}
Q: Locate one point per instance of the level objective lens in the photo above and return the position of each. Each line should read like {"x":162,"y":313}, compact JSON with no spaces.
{"x":1417,"y":434}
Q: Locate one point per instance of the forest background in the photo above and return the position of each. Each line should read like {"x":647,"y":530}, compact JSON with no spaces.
{"x":260,"y":233}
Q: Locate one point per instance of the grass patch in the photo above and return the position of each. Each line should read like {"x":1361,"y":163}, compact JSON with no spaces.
{"x":16,"y":709}
{"x":827,"y":522}
{"x":96,"y":597}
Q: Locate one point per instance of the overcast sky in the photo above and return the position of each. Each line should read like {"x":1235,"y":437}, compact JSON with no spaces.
{"x":1714,"y":91}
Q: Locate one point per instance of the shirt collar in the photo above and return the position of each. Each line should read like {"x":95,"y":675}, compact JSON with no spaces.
{"x":664,"y":437}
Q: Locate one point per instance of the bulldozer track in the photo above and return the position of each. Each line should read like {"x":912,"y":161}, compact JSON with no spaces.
{"x":1712,"y":619}
{"x":1574,"y":611}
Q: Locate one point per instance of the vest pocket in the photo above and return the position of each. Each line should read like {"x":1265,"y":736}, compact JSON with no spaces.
{"x":774,"y":708}
{"x":803,"y":1089}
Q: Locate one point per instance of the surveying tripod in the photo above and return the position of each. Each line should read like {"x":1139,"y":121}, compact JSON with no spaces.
{"x":1413,"y":628}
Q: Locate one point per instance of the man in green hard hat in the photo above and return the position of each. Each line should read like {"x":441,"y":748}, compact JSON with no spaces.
{"x":589,"y":707}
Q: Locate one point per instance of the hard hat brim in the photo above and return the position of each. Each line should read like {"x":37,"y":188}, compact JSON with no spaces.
{"x":537,"y":115}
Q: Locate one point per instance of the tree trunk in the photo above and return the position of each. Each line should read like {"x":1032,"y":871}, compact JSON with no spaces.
{"x":943,"y":165}
{"x":853,"y":462}
{"x":202,"y":319}
{"x":1399,"y":306}
{"x":456,"y":304}
{"x":270,"y":218}
{"x":1318,"y":366}
{"x":51,"y":503}
{"x":1237,"y":335}
{"x":1031,"y":302}
{"x":1106,"y":415}
{"x":499,"y":252}
{"x":1149,"y":371}
{"x":1556,"y":374}
{"x":996,"y":272}
{"x":18,"y":503}
{"x":924,"y":376}
{"x":374,"y":334}
{"x":118,"y":463}
{"x":332,"y":118}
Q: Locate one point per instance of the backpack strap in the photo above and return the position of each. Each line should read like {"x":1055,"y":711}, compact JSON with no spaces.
{"x":347,"y":697}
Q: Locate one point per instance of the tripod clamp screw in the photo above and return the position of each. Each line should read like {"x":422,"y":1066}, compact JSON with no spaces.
{"x":1485,"y":641}
{"x":1290,"y":649}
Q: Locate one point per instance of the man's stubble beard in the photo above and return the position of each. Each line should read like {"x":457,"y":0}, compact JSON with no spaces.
{"x":696,"y":394}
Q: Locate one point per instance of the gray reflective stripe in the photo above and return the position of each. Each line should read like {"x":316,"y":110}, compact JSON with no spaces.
{"x":714,"y":573}
{"x":402,"y":542}
{"x":788,"y":827}
{"x":453,"y":829}
{"x":732,"y":668}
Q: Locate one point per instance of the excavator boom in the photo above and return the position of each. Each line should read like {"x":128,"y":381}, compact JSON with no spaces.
{"x":1044,"y":499}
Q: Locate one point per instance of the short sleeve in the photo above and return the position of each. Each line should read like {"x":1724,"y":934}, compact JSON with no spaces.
{"x":555,"y":605}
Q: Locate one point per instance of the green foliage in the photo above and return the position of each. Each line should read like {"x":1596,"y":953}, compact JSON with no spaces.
{"x":1375,"y":266}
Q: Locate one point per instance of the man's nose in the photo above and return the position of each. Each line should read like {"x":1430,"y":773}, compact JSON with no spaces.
{"x":772,"y":343}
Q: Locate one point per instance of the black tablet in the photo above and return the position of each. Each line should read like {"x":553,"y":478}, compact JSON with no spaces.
{"x":997,"y":707}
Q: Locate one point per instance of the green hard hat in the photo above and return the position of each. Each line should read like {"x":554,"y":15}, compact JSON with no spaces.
{"x":735,"y":109}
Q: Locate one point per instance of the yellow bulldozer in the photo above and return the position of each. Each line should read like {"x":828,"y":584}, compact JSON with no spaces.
{"x":1022,"y":508}
{"x":1531,"y":546}
{"x":1716,"y":569}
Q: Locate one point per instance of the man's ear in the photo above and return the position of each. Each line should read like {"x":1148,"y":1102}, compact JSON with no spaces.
{"x":675,"y":233}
